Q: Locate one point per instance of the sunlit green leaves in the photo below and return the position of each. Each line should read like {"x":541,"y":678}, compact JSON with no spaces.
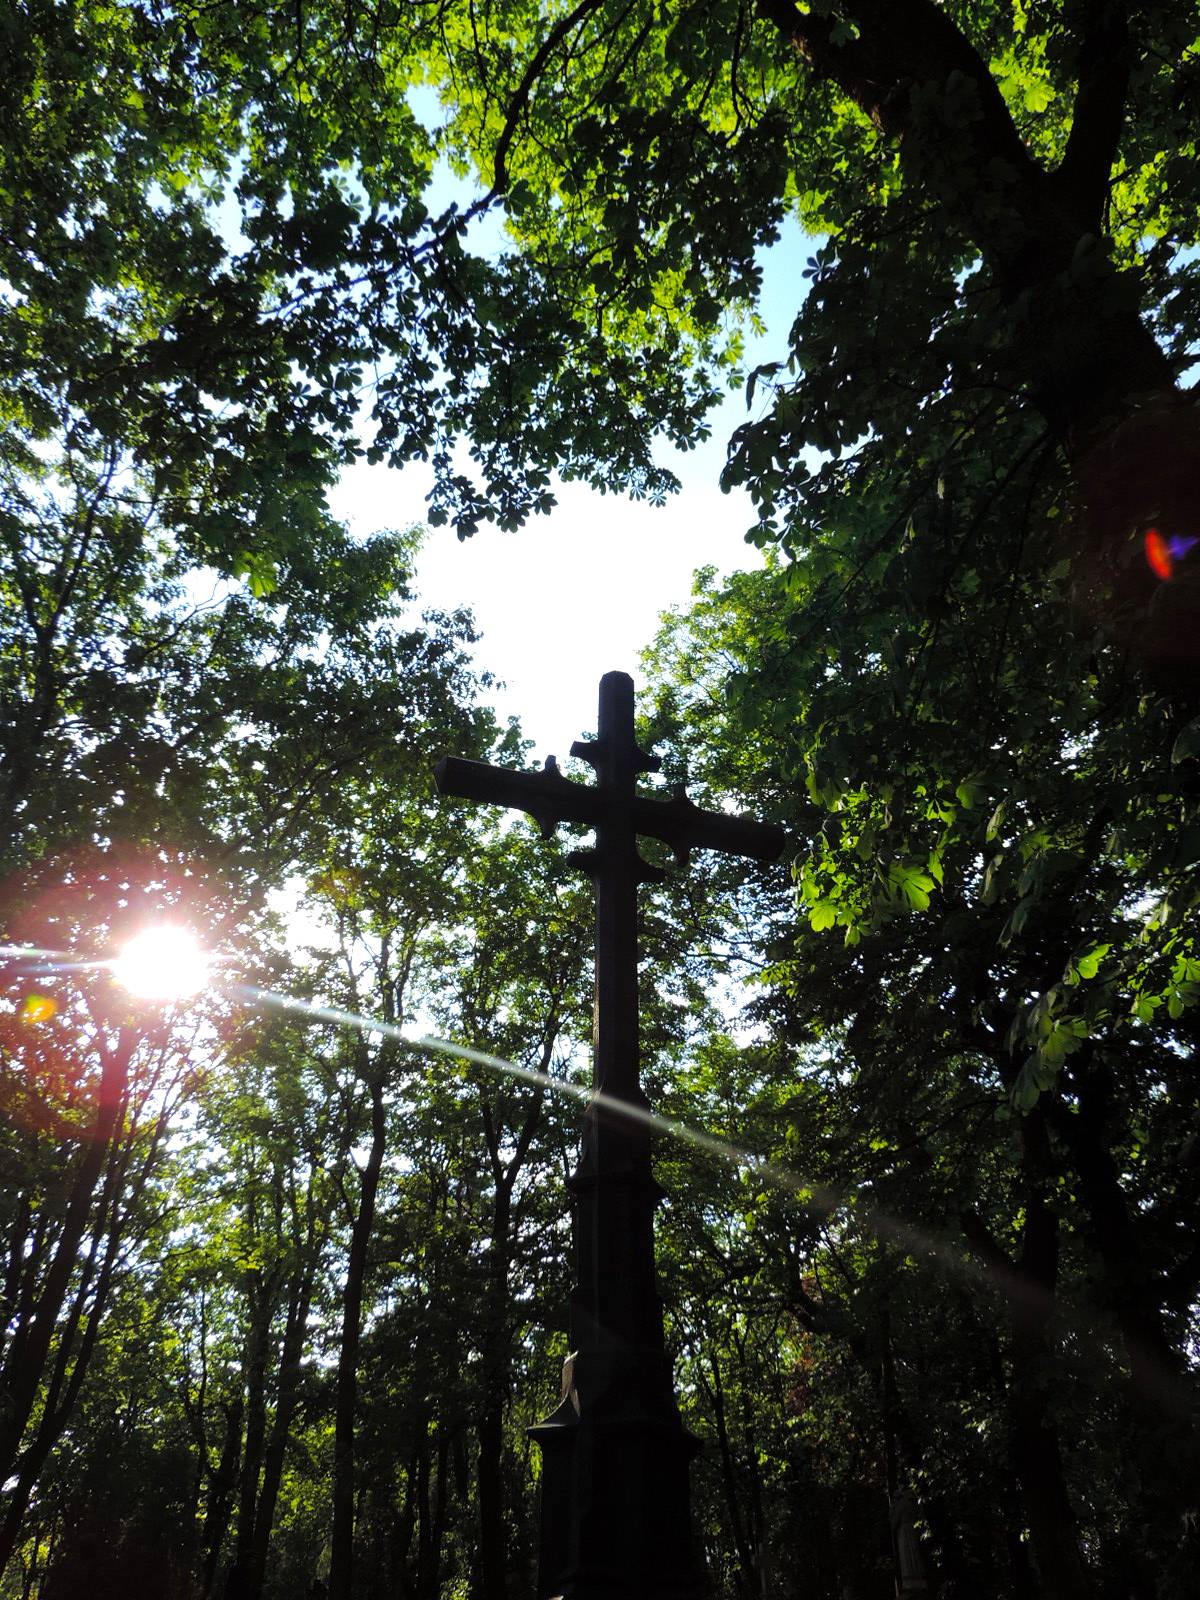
{"x":909,"y":884}
{"x":1089,"y":965}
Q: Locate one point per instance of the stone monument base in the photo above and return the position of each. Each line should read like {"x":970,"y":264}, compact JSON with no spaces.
{"x":616,"y":1513}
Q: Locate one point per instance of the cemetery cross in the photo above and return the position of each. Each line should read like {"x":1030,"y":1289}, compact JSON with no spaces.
{"x":615,"y":1520}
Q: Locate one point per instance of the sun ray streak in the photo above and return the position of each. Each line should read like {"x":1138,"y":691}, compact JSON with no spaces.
{"x":816,"y":1199}
{"x":46,"y":969}
{"x":26,"y":952}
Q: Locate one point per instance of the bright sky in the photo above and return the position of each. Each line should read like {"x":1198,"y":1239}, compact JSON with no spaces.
{"x":578,"y":593}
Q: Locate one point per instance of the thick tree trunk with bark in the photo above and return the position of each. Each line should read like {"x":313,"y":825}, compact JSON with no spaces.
{"x":1134,"y":1283}
{"x":1075,"y":342}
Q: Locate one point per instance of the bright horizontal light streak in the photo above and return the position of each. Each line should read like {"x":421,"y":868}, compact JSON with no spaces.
{"x":162,"y":963}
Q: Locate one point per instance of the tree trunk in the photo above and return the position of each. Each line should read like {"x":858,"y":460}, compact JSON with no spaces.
{"x":1072,"y":337}
{"x":489,"y":1472}
{"x":747,"y":1576}
{"x":493,"y":1530}
{"x":287,"y":1394}
{"x":261,"y":1299}
{"x":27,"y":1356}
{"x":1133,"y":1285}
{"x":1163,"y":1398}
{"x":1029,"y":1287}
{"x":341,"y":1545}
{"x":493,"y":1542}
{"x":220,"y":1499}
{"x":433,"y":1522}
{"x":423,"y":1586}
{"x":64,"y":1387}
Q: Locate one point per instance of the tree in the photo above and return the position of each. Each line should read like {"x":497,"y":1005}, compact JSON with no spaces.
{"x":1004,"y":195}
{"x":993,"y":988}
{"x":513,"y":981}
{"x":403,"y":884}
{"x":170,"y":749}
{"x":957,"y":681}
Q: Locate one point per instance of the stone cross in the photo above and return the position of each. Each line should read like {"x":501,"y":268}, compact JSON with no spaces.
{"x":615,"y":1454}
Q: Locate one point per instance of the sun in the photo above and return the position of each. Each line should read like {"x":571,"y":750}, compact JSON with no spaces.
{"x":162,"y":963}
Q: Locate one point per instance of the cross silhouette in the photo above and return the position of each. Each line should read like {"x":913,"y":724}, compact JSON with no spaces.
{"x":615,"y":1520}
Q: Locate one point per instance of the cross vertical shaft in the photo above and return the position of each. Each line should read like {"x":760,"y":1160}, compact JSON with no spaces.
{"x":615,"y":1454}
{"x":615,"y":1305}
{"x":615,"y":868}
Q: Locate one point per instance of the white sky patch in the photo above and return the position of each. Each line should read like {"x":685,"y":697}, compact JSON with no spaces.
{"x":579,"y":592}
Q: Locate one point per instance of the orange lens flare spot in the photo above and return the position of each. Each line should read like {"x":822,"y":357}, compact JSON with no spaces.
{"x":1159,"y":554}
{"x":37,"y":1008}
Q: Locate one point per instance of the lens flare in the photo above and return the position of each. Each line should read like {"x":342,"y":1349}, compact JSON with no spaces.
{"x":37,"y":1008}
{"x":162,"y":963}
{"x":819,"y":1200}
{"x":1162,"y":552}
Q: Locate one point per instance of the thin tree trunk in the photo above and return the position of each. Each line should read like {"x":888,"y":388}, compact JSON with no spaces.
{"x":287,"y":1394}
{"x":26,"y":1362}
{"x":63,"y":1394}
{"x":441,"y":1505}
{"x":489,"y":1474}
{"x":493,"y":1542}
{"x":220,"y":1500}
{"x":745,"y":1576}
{"x":262,"y":1305}
{"x":1030,"y":1287}
{"x":423,"y":1586}
{"x":341,"y":1558}
{"x":493,"y":1533}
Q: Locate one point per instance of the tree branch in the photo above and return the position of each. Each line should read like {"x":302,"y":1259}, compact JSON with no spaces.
{"x":520,"y":100}
{"x":1105,"y":62}
{"x":898,"y":46}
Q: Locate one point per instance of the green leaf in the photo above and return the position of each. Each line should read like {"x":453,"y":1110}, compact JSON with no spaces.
{"x":1180,"y":997}
{"x":823,"y":915}
{"x":910,"y":882}
{"x":1026,"y":1089}
{"x":1018,"y":919}
{"x":1187,"y":744}
{"x":1089,"y":965}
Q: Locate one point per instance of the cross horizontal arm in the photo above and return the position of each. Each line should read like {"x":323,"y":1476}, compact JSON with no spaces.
{"x":684,"y":827}
{"x":547,"y":796}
